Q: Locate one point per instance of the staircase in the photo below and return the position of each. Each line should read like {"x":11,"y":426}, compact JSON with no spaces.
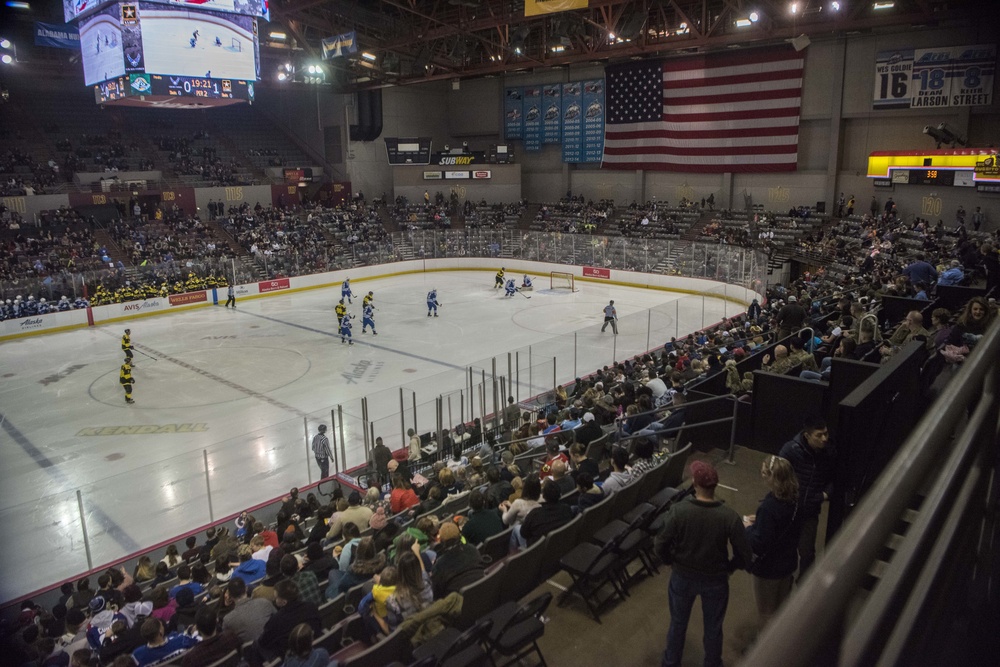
{"x":224,"y":235}
{"x":527,"y":216}
{"x":388,"y":221}
{"x":666,"y":264}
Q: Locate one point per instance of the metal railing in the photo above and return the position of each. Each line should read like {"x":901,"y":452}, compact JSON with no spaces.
{"x":942,"y":482}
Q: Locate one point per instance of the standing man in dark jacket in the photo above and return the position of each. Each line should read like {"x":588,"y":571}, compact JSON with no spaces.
{"x":695,"y":536}
{"x":291,"y":612}
{"x":790,"y":318}
{"x":813,"y":457}
{"x":381,"y":455}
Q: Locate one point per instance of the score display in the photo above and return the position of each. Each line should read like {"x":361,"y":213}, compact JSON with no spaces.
{"x":409,"y":150}
{"x":932,"y":177}
{"x":171,"y":50}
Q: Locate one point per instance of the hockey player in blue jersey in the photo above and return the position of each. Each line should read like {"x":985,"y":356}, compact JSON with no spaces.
{"x":345,"y":329}
{"x":64,"y":304}
{"x":511,"y":288}
{"x":526,"y":283}
{"x":345,"y":290}
{"x":80,"y":302}
{"x":368,"y":319}
{"x":432,"y":302}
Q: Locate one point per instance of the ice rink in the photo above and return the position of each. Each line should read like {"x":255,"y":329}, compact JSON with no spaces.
{"x":238,"y":388}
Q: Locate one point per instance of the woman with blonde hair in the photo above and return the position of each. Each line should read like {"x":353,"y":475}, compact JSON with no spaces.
{"x":773,"y":534}
{"x":144,"y":570}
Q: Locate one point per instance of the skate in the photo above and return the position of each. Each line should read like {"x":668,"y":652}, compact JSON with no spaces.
{"x":428,"y":314}
{"x":351,"y":342}
{"x":343,"y":340}
{"x":374,"y":333}
{"x":435,"y":314}
{"x":130,"y":401}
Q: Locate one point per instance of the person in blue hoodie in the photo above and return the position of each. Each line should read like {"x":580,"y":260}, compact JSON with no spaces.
{"x":250,"y":569}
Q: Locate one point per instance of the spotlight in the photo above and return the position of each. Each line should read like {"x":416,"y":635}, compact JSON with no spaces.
{"x":743,"y":23}
{"x":6,"y":59}
{"x":5,"y":43}
{"x":835,"y":6}
{"x":883,"y":4}
{"x":282,"y":76}
{"x":368,"y":56}
{"x":793,"y":8}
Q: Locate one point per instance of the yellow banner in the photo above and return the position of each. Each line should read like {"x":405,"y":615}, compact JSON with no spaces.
{"x":881,"y":164}
{"x":539,"y":7}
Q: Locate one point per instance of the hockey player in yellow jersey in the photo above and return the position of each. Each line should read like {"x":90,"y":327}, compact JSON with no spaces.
{"x":125,"y":378}
{"x":127,"y":344}
{"x":368,"y":299}
{"x":340,"y":309}
{"x":499,"y":280}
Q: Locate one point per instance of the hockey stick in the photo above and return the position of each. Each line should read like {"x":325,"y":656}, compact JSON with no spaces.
{"x":523,"y":294}
{"x":144,"y":354}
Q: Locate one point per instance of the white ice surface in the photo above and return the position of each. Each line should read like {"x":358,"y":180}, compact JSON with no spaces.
{"x":248,"y":379}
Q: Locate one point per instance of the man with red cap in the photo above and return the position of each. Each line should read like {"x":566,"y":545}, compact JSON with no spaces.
{"x":695,"y":537}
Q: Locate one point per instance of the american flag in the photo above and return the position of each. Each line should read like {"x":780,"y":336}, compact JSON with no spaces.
{"x":731,"y":112}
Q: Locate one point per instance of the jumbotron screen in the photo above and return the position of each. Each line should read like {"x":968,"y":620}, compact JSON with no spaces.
{"x":75,"y":9}
{"x":171,"y":50}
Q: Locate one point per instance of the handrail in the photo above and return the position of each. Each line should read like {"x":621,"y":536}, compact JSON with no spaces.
{"x":837,"y":576}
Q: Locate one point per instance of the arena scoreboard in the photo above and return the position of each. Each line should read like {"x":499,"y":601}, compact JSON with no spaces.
{"x":966,"y":167}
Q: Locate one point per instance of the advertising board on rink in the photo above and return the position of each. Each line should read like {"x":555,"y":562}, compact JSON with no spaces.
{"x":273,"y":285}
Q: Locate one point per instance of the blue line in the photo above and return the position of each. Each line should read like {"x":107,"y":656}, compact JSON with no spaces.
{"x":109,"y":525}
{"x":373,"y":345}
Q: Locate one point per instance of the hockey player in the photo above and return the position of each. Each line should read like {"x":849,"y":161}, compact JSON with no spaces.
{"x":432,"y":302}
{"x":30,"y":306}
{"x":43,"y":307}
{"x":340,"y":309}
{"x":345,"y":329}
{"x":64,"y":304}
{"x":368,"y":299}
{"x":499,"y":279}
{"x":511,"y":288}
{"x":80,"y":302}
{"x":125,"y":378}
{"x":127,"y":344}
{"x":345,"y":291}
{"x":368,"y":319}
{"x":17,"y":308}
{"x":526,"y":283}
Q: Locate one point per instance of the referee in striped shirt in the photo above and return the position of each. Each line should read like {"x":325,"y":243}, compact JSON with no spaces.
{"x":610,"y":317}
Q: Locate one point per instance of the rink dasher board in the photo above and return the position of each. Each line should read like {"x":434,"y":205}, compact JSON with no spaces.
{"x":121,"y":312}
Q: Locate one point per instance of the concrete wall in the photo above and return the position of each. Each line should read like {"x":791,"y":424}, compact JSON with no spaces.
{"x":30,"y":206}
{"x":503,"y":186}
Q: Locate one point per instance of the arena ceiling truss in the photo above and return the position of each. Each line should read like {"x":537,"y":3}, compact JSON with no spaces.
{"x":412,"y":41}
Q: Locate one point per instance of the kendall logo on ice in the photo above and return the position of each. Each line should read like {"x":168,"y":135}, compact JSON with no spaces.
{"x":31,"y":323}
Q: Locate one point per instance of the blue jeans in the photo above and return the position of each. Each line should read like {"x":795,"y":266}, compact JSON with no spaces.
{"x":714,"y":600}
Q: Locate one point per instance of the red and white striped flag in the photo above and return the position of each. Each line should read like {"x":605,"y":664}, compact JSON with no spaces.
{"x":727,"y":112}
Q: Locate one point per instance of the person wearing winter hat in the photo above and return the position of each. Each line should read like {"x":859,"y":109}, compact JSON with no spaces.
{"x":695,"y":537}
{"x":379,"y":519}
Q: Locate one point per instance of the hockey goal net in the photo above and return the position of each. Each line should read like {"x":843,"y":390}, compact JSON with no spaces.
{"x":560,"y":280}
{"x":236,"y":46}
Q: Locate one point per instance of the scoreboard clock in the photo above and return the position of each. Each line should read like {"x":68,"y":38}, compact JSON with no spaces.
{"x":945,"y":177}
{"x":408,"y":151}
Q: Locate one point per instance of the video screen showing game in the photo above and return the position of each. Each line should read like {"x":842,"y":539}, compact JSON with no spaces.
{"x":184,"y":42}
{"x":101,"y":46}
{"x":74,"y":9}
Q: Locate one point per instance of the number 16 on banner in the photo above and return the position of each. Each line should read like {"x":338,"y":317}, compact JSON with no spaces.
{"x":893,"y":70}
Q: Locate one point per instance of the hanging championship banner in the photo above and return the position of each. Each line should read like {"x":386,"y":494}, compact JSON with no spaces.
{"x":552,"y":104}
{"x":593,"y":120}
{"x":513,"y":114}
{"x":539,"y":7}
{"x":532,"y":118}
{"x":572,"y":122}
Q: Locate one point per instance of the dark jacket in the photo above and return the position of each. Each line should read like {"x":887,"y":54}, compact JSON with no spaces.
{"x":456,"y":566}
{"x":695,"y":536}
{"x":588,"y":432}
{"x":774,"y":539}
{"x":274,"y":639}
{"x":482,"y":525}
{"x":543,"y":520}
{"x":499,"y":492}
{"x":814,"y":470}
{"x":791,"y":317}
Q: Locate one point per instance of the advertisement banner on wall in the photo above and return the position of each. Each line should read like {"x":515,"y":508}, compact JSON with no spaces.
{"x":40,"y":323}
{"x":596,"y":272}
{"x":593,"y":120}
{"x":273,"y":285}
{"x":188,"y":298}
{"x":432,"y":175}
{"x":552,"y":105}
{"x":513,"y":114}
{"x":532,"y":118}
{"x":482,"y":174}
{"x":572,"y":122}
{"x":450,"y":175}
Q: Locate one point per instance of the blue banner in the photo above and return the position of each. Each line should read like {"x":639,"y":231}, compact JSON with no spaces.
{"x":593,"y":120}
{"x":57,"y":35}
{"x":339,"y":45}
{"x":532,"y":118}
{"x":513,"y":114}
{"x":572,"y":122}
{"x":552,"y":114}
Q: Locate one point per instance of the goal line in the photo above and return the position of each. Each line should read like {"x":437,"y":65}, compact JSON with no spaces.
{"x":562,"y":280}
